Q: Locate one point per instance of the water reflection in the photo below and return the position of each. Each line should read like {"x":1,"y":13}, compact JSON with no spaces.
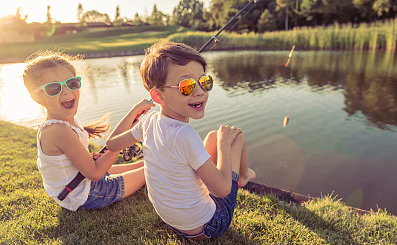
{"x":367,"y":79}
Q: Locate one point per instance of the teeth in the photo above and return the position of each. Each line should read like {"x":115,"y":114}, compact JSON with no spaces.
{"x":67,"y":100}
{"x":196,"y":105}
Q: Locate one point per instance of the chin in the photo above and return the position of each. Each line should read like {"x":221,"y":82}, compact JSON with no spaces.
{"x":196,"y":117}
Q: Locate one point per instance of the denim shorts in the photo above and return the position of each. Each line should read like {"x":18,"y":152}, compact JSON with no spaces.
{"x":106,"y":191}
{"x":223,"y":215}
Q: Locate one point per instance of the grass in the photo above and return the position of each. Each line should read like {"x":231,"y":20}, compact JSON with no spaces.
{"x":374,"y":36}
{"x":115,"y":39}
{"x":29,"y":216}
{"x":379,"y":35}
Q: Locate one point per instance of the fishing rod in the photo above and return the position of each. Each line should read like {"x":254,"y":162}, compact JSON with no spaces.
{"x":130,"y":151}
{"x":230,"y":21}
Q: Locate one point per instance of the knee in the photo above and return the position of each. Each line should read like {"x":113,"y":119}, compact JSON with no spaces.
{"x":212,"y":135}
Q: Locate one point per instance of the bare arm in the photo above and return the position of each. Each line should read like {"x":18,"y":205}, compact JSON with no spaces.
{"x":218,"y":179}
{"x":121,"y":137}
{"x":67,"y":141}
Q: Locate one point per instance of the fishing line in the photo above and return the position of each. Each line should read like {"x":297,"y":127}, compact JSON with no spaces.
{"x":238,"y":21}
{"x":230,"y":21}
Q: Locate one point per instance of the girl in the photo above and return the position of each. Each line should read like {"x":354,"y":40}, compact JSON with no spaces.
{"x":62,"y":143}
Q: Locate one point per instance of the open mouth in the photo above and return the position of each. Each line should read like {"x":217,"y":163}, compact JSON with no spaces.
{"x":68,"y":104}
{"x":197,"y":105}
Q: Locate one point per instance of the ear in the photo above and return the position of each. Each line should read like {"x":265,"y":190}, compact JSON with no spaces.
{"x":155,"y":93}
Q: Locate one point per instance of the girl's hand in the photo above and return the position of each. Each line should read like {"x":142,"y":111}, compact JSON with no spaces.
{"x":96,"y":155}
{"x":227,"y":134}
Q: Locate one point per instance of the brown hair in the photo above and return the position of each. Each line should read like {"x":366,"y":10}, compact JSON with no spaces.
{"x":159,"y":57}
{"x":41,"y":60}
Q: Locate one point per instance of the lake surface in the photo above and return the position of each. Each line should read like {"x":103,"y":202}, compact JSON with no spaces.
{"x":341,"y":138}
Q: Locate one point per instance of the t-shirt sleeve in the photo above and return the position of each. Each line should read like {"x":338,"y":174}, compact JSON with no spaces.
{"x":191,"y":148}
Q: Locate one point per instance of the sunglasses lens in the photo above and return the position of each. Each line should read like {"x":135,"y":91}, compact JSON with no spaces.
{"x":187,"y":86}
{"x":53,"y":89}
{"x":206,"y":82}
{"x":73,"y":83}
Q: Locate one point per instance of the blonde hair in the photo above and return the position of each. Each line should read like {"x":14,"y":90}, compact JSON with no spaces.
{"x":42,"y":60}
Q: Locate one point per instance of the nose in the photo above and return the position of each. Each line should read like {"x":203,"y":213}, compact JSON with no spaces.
{"x":65,"y":89}
{"x":198,"y":90}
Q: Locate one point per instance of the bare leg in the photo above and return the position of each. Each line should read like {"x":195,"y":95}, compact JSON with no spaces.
{"x":246,"y":173}
{"x":239,"y":156}
{"x":210,"y":144}
{"x":133,"y":180}
{"x":121,"y":168}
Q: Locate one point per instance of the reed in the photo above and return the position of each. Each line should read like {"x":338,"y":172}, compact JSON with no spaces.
{"x":373,"y":36}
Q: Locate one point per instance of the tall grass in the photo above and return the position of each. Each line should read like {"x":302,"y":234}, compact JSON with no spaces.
{"x":373,"y":36}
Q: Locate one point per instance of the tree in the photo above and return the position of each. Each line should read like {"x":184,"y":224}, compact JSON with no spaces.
{"x":366,"y":13}
{"x":223,"y":11}
{"x":95,"y":16}
{"x":326,"y":12}
{"x":118,"y":21}
{"x":266,"y":22}
{"x":117,"y":16}
{"x":80,"y":13}
{"x":189,"y":13}
{"x":138,"y":21}
{"x":156,"y":18}
{"x":49,"y":19}
{"x":385,"y":8}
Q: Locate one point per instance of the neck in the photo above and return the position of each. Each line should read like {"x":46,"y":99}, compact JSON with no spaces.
{"x":71,"y":120}
{"x":173,"y":115}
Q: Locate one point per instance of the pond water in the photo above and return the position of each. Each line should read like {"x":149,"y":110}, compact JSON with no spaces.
{"x":341,"y":138}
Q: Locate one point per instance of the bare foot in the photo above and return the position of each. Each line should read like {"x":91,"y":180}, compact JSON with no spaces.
{"x":249,"y":176}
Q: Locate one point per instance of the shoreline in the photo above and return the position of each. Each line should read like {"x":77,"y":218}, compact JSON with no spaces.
{"x":90,"y":55}
{"x":290,"y":197}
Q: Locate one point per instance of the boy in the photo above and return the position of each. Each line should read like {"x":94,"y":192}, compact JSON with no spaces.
{"x":192,"y":186}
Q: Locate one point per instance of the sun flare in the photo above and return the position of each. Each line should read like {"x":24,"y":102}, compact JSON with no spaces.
{"x":15,"y":102}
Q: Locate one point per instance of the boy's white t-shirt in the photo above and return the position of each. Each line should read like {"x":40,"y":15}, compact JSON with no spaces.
{"x":173,"y":150}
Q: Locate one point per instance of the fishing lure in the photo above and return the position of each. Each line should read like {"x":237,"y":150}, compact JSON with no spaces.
{"x":290,"y":55}
{"x":286,"y":120}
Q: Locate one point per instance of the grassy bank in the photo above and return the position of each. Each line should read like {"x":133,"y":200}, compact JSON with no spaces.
{"x":115,"y":39}
{"x":28,"y":216}
{"x":382,"y":35}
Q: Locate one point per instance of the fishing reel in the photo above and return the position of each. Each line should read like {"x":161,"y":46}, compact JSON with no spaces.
{"x":134,"y":151}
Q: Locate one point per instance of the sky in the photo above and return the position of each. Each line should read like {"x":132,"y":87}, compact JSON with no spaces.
{"x":66,"y":10}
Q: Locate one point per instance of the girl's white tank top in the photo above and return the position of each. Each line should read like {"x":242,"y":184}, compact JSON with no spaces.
{"x":58,"y":171}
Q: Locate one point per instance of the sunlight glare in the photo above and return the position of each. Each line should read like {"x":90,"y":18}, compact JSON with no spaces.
{"x":15,"y":102}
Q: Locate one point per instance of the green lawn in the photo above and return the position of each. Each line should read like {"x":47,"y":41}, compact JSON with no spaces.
{"x":115,"y":39}
{"x":29,"y":216}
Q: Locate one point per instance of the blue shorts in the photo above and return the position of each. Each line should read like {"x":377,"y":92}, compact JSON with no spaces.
{"x":106,"y":191}
{"x":223,"y":215}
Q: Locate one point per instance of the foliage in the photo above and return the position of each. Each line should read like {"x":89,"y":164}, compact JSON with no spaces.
{"x":157,"y":17}
{"x":188,"y":13}
{"x":266,"y":22}
{"x":95,"y":16}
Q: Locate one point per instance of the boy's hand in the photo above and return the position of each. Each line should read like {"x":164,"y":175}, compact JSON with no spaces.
{"x":143,"y":107}
{"x":227,"y":134}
